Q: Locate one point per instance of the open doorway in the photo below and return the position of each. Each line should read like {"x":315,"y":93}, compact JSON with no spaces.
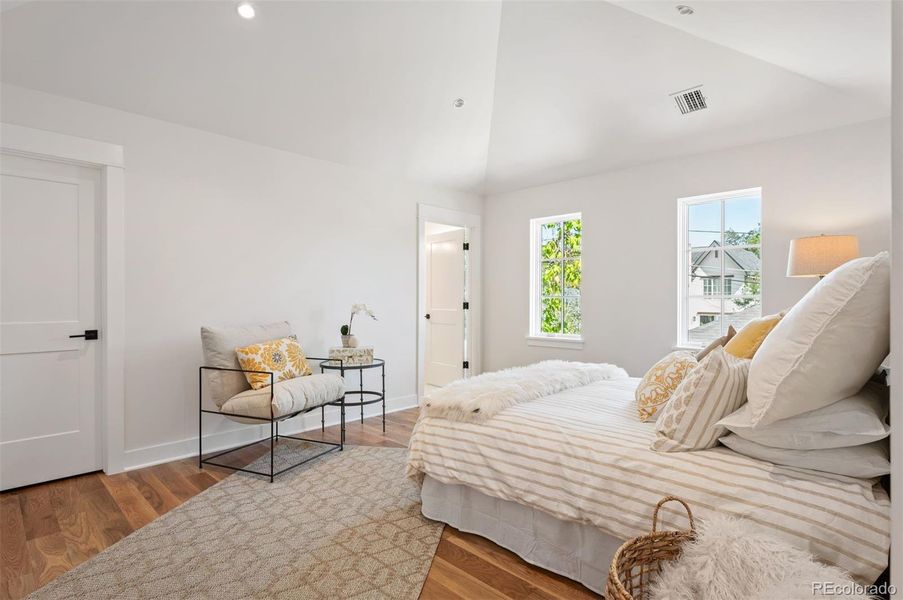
{"x":448,"y":322}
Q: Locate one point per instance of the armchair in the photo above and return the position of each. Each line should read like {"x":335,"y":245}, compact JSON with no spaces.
{"x":234,"y":399}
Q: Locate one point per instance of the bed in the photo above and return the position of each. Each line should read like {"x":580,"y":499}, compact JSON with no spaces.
{"x":564,"y":479}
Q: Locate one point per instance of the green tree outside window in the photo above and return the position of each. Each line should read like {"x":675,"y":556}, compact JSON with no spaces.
{"x":561,"y":274}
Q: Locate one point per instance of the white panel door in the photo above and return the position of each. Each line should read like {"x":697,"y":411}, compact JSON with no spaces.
{"x":444,"y":302}
{"x":48,"y":292}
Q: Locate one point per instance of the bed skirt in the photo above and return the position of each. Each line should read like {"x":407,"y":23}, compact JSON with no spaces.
{"x":576,"y":551}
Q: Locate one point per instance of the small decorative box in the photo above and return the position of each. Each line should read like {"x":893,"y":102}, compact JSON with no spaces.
{"x":362,"y":355}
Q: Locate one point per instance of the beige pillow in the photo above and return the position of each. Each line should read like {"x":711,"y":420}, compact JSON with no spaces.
{"x":710,"y":392}
{"x":827,"y":346}
{"x":723,"y":340}
{"x":283,"y":357}
{"x":219,"y":351}
{"x":660,"y":381}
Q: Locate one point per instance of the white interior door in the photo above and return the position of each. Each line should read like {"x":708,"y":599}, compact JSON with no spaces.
{"x":444,"y":301}
{"x":48,"y":292}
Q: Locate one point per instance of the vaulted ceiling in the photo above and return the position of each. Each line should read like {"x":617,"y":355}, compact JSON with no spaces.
{"x":552,"y":90}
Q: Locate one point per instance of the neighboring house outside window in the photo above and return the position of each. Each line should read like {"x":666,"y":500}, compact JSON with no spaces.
{"x":720,"y":279}
{"x":557,"y":269}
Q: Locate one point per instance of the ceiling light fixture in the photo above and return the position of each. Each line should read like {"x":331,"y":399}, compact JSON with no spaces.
{"x":246,"y":10}
{"x":684,"y":9}
{"x":459,"y":102}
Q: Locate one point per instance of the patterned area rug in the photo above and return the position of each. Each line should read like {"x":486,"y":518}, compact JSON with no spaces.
{"x":347,"y":525}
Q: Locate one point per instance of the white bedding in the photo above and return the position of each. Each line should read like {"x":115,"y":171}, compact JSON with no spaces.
{"x":582,"y":455}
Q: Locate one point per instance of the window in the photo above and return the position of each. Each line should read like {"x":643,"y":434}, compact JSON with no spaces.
{"x":556,"y":276}
{"x":720,"y":264}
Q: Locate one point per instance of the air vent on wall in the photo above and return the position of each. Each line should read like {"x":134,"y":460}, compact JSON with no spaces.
{"x":690,"y":100}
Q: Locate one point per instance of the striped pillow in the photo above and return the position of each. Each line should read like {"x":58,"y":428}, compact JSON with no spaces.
{"x":710,"y":392}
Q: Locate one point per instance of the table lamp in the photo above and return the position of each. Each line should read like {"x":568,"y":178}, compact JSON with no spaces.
{"x":818,"y":255}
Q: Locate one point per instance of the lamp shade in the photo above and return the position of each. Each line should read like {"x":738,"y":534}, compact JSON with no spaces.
{"x":818,"y":255}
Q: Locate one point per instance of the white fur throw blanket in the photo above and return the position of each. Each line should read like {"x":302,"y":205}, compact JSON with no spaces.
{"x":734,"y":559}
{"x":479,"y":398}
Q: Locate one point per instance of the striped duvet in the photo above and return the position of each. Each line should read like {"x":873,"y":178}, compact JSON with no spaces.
{"x":582,"y":455}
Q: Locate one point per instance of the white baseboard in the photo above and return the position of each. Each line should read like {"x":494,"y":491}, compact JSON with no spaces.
{"x":147,"y":456}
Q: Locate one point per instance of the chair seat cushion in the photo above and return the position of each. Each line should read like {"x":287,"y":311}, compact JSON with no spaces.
{"x":289,"y":396}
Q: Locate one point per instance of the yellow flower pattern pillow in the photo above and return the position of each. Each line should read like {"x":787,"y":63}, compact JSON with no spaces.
{"x":660,"y":381}
{"x":283,"y":357}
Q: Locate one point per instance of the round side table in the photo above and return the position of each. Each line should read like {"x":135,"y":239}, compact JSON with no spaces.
{"x":365,"y":397}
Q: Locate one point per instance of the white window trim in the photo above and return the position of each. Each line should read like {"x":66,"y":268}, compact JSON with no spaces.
{"x":535,"y":337}
{"x":569,"y":342}
{"x":682,"y":273}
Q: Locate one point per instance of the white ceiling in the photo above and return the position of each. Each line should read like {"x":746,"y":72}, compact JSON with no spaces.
{"x":841,"y":43}
{"x":367,"y":84}
{"x":553,"y":90}
{"x":582,"y":87}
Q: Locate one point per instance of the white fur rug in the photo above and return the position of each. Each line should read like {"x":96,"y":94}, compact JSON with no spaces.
{"x":479,"y":398}
{"x":735,"y":559}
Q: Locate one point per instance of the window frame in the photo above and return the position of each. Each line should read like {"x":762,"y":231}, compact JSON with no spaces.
{"x":683,"y":264}
{"x":535,"y":335}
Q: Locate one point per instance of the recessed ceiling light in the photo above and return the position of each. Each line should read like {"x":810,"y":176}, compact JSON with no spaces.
{"x":684,"y":9}
{"x":246,"y":10}
{"x":459,"y":102}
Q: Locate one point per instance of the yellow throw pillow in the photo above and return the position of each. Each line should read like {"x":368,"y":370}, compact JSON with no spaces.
{"x":283,"y":357}
{"x":748,"y":339}
{"x":660,"y":381}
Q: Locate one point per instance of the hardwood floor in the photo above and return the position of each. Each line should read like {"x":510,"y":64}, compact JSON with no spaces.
{"x":49,"y":528}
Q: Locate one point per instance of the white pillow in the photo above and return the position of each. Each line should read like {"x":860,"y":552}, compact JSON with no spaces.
{"x":827,"y":346}
{"x":868,"y":460}
{"x":859,"y":419}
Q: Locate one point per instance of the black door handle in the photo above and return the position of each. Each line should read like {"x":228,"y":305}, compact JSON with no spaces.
{"x":89,"y":334}
{"x":427,"y":315}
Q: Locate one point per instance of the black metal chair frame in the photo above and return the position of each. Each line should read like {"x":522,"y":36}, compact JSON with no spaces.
{"x":274,"y":427}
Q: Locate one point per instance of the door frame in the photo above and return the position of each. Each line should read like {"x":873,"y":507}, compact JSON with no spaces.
{"x":108,"y":158}
{"x":472,"y":223}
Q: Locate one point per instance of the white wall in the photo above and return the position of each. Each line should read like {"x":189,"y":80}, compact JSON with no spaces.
{"x":221,"y":231}
{"x":829,"y":182}
{"x":896,"y":544}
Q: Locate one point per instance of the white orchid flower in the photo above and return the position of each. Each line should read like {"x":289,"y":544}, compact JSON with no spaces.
{"x":358,"y":308}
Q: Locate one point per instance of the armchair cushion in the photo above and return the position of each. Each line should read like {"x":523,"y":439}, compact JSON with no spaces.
{"x":219,"y":351}
{"x":289,"y":396}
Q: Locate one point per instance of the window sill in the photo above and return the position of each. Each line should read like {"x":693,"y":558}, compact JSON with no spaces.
{"x":555,"y":342}
{"x":687,"y":348}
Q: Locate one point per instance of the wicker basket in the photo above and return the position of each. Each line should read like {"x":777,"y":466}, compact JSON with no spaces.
{"x":638,"y":559}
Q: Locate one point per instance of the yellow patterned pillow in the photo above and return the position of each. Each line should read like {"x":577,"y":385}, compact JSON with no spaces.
{"x":660,"y":381}
{"x":283,"y":357}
